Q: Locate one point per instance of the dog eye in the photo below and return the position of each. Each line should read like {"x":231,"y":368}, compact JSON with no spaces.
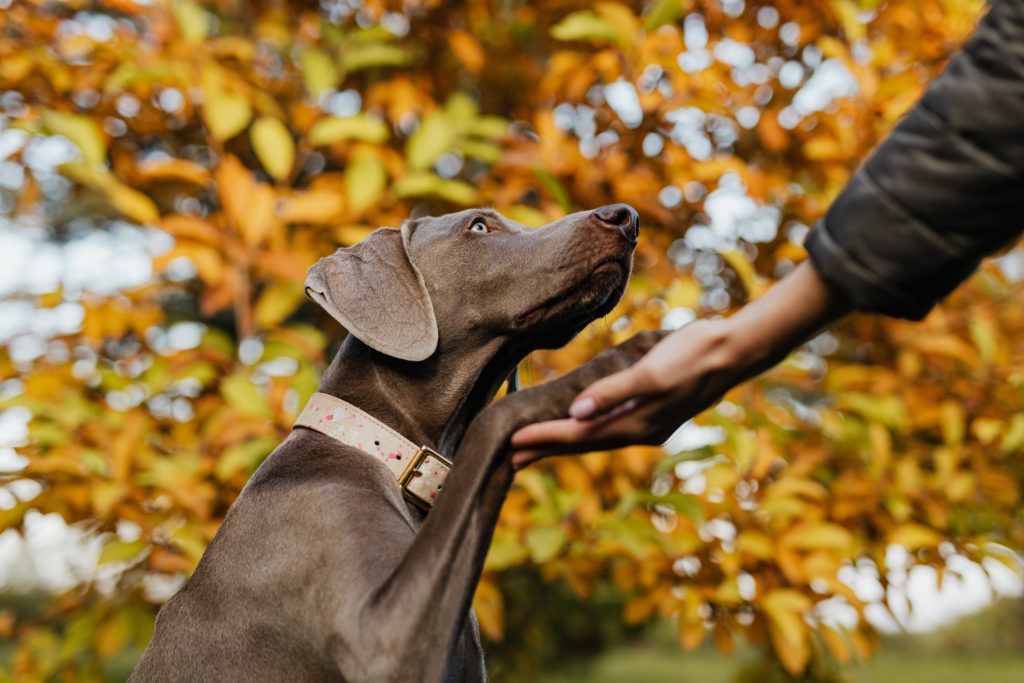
{"x":478,"y":226}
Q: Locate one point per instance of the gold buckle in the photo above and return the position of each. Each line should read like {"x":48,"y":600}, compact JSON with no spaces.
{"x":409,"y":474}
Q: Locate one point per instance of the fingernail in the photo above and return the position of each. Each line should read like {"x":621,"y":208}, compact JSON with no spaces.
{"x":583,"y":408}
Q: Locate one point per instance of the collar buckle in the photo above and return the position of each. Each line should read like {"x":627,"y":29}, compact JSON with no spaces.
{"x":423,"y":477}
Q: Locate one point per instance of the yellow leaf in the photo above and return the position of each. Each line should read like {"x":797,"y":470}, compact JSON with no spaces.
{"x":318,"y":207}
{"x":352,"y":234}
{"x":193,"y":21}
{"x":277,"y":302}
{"x":848,"y":13}
{"x":226,"y":115}
{"x":683,"y":293}
{"x":361,"y":127}
{"x":365,"y":180}
{"x":914,"y":536}
{"x":984,"y":335}
{"x":248,"y":204}
{"x":986,"y":429}
{"x":274,"y":147}
{"x":818,"y":536}
{"x":467,"y":49}
{"x":835,"y":642}
{"x":789,"y":633}
{"x":174,"y":169}
{"x":584,"y":25}
{"x":952,"y":421}
{"x":621,"y":19}
{"x":756,"y":544}
{"x":545,"y":543}
{"x":691,"y":626}
{"x":822,"y":147}
{"x":319,"y":72}
{"x":490,"y":609}
{"x":752,"y":283}
{"x":191,"y":228}
{"x":83,"y":131}
{"x":133,"y":204}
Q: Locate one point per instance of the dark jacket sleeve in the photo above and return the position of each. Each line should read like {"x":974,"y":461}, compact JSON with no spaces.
{"x":943,"y":190}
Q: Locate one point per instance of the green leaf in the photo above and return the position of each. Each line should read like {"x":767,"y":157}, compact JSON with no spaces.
{"x":889,"y":411}
{"x":490,"y":127}
{"x":554,"y":187}
{"x":527,"y":215}
{"x":360,"y":127}
{"x":545,"y":543}
{"x":365,"y":180}
{"x":319,"y":72}
{"x":685,"y":504}
{"x":484,"y":151}
{"x":274,"y":147}
{"x":584,"y":25}
{"x":669,"y":463}
{"x":424,"y":183}
{"x":245,"y":457}
{"x":226,"y":115}
{"x":1013,"y":437}
{"x":305,"y":381}
{"x":505,"y":552}
{"x":121,"y":551}
{"x":434,"y":137}
{"x":128,"y":201}
{"x":461,"y":110}
{"x":244,"y":396}
{"x":81,"y":130}
{"x":370,"y":55}
{"x":457,"y":192}
{"x":662,"y":12}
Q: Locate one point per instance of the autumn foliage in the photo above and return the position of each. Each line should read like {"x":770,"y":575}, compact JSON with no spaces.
{"x":263,"y":135}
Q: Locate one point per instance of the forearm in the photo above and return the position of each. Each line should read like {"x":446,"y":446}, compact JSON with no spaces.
{"x":766,"y":330}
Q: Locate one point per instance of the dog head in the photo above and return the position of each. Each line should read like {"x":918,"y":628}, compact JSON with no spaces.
{"x":475,"y":276}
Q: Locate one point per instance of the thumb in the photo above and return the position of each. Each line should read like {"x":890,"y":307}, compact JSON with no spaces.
{"x":606,"y":393}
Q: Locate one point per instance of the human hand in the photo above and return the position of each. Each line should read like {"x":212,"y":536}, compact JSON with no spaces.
{"x":686,"y":372}
{"x":683,"y":374}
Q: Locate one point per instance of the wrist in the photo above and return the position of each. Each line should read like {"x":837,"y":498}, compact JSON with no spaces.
{"x":766,"y":330}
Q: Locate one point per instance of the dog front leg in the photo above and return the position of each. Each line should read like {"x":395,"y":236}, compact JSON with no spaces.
{"x":426,"y":598}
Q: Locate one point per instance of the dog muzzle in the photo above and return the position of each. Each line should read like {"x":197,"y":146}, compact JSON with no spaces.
{"x":420,"y":471}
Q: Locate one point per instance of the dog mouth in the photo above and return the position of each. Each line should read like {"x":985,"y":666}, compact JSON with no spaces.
{"x":593,"y":295}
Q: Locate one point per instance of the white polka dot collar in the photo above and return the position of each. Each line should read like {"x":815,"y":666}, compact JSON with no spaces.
{"x":419,"y":470}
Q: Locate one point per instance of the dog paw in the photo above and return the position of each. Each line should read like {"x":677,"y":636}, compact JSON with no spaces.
{"x":551,"y":400}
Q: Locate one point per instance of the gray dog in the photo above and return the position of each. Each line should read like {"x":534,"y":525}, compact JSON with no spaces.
{"x":328,"y":567}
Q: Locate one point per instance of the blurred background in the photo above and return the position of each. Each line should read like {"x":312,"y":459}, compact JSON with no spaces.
{"x":170,"y":168}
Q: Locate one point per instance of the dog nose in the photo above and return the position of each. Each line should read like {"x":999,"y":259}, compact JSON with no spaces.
{"x":623,"y":217}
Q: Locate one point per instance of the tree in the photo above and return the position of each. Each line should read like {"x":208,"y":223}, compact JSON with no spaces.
{"x":262,"y":135}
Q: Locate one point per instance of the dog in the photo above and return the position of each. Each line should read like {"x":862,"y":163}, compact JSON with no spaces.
{"x":340,"y":561}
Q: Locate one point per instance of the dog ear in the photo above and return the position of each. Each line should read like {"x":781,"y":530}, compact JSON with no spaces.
{"x":378,"y":295}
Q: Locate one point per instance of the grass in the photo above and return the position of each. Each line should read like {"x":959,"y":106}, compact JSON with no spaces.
{"x":651,"y":665}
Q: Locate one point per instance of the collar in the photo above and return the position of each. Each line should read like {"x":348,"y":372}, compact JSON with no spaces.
{"x":420,"y":471}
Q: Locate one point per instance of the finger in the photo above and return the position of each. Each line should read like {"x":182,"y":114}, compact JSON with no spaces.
{"x":610,"y":391}
{"x":553,"y":431}
{"x":521,"y":459}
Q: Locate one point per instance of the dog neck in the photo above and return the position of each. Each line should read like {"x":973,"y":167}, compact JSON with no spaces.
{"x":429,"y":402}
